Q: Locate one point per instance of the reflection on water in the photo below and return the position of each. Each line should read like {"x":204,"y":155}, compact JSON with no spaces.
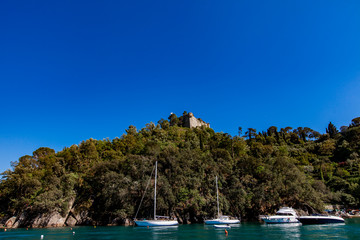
{"x":163,"y":232}
{"x":284,"y":231}
{"x":327,"y":231}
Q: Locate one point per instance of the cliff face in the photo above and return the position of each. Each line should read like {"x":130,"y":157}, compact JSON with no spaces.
{"x":37,"y":220}
{"x":72,"y":217}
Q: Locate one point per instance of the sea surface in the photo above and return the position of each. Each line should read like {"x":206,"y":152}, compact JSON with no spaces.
{"x":350,"y":230}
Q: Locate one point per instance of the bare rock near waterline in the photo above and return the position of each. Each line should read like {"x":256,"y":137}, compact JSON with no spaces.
{"x":71,"y":221}
{"x":56,"y":220}
{"x":10,"y":222}
{"x":121,"y":221}
{"x":127,"y":222}
{"x":20,"y":220}
{"x":53,"y":219}
{"x":84,"y":218}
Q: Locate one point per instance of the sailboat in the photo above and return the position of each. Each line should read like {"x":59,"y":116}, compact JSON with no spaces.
{"x":164,"y":221}
{"x":221,"y":219}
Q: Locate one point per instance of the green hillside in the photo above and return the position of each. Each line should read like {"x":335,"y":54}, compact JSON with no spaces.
{"x":104,"y":180}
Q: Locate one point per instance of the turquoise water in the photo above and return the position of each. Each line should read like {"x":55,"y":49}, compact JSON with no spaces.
{"x":350,"y":230}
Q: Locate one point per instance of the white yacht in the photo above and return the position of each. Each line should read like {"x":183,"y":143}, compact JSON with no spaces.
{"x":283,"y":215}
{"x":158,"y":220}
{"x":220,"y":219}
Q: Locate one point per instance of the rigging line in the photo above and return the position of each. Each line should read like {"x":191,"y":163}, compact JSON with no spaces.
{"x":144,"y":192}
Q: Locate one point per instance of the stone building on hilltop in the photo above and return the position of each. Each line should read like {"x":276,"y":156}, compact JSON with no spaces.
{"x":187,"y":120}
{"x":192,"y":122}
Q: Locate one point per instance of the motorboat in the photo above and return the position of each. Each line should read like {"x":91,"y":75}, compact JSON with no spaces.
{"x":158,"y":220}
{"x":222,"y":226}
{"x":221,"y":219}
{"x":320,"y":219}
{"x":283,"y":215}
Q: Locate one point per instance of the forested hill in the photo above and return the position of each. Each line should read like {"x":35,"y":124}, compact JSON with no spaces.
{"x":103,"y":181}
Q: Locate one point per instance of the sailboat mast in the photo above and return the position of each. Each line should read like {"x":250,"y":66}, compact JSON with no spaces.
{"x":155,"y":191}
{"x":217,"y":197}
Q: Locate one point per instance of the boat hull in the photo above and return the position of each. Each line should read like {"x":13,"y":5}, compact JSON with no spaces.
{"x":220,"y":221}
{"x":320,"y":220}
{"x":156,"y":223}
{"x":222,"y":226}
{"x":280,"y":220}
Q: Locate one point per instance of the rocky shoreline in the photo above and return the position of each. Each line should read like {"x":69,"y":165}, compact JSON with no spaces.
{"x":73,"y":217}
{"x":55,"y":219}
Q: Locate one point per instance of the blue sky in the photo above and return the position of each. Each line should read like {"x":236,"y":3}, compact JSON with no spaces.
{"x":73,"y":70}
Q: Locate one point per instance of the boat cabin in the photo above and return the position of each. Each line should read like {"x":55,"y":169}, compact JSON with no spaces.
{"x":286,"y":211}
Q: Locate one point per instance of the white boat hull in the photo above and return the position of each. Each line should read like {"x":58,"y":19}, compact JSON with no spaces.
{"x":222,"y":221}
{"x":222,"y":226}
{"x":154,"y":223}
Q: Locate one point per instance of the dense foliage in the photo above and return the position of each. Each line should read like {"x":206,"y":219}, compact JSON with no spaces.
{"x":258,"y":172}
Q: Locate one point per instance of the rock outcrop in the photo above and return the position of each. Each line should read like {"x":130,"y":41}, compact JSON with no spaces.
{"x":28,"y":218}
{"x":53,"y":219}
{"x":82,"y":218}
{"x":10,"y":222}
{"x":70,"y":221}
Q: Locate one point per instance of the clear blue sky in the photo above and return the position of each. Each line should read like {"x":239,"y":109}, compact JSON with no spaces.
{"x":73,"y":70}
